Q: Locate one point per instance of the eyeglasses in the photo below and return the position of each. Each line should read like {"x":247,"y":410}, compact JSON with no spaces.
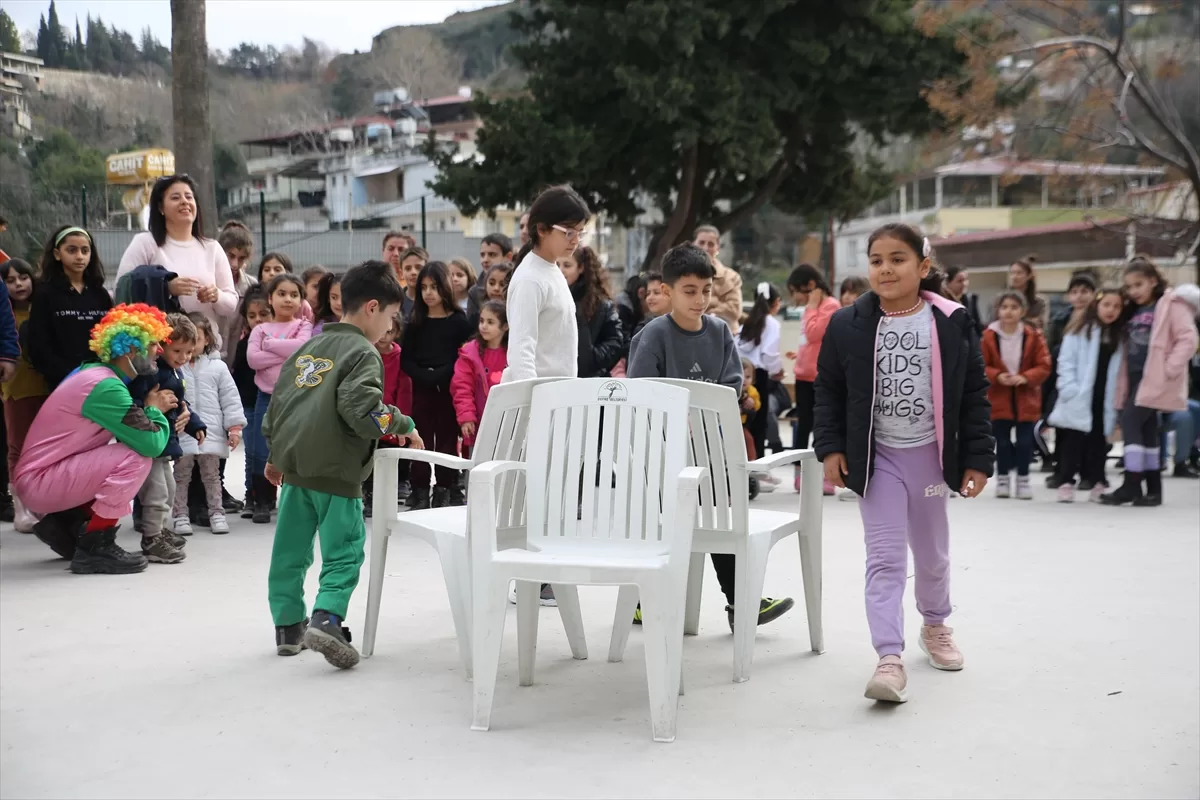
{"x":572,"y":234}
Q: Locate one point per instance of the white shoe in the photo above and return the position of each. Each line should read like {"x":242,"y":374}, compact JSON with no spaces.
{"x":217,"y":523}
{"x":182,"y":526}
{"x":766,"y":482}
{"x":846,"y":495}
{"x":23,"y":518}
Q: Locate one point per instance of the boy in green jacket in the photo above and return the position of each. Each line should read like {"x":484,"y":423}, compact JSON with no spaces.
{"x":325,"y":417}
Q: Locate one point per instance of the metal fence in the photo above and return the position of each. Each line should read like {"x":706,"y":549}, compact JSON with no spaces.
{"x":33,"y":213}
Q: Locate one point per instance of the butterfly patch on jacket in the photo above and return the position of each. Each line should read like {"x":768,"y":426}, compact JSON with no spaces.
{"x":311,"y":371}
{"x":382,"y":419}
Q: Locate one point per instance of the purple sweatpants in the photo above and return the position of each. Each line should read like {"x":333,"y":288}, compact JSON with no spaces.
{"x":905,"y":506}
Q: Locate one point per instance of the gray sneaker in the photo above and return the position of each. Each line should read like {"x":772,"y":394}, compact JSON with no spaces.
{"x":326,"y":635}
{"x":289,"y":639}
{"x":159,"y":549}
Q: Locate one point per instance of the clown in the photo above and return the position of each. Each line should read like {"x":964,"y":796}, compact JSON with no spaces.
{"x":70,"y":469}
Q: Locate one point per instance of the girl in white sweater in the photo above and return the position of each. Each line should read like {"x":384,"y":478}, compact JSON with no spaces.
{"x":543,"y":339}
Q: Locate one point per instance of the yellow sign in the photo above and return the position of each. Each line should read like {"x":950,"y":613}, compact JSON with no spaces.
{"x":139,"y":166}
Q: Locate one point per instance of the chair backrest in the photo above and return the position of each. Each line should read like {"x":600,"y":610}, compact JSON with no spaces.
{"x":717,"y":443}
{"x":501,"y":437}
{"x":602,"y":456}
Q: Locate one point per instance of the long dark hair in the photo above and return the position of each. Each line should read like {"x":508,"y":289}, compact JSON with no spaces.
{"x":756,"y":320}
{"x":158,"y":222}
{"x":805,"y":274}
{"x":255,"y":294}
{"x":1090,"y":319}
{"x":1030,"y":290}
{"x":595,"y":286}
{"x":497,"y":308}
{"x":913,"y":239}
{"x":52,"y":268}
{"x":282,"y":259}
{"x":324,"y":312}
{"x":635,"y":288}
{"x":280,"y":280}
{"x":25,"y":268}
{"x":1142,"y":265}
{"x":557,"y":205}
{"x":437,"y":272}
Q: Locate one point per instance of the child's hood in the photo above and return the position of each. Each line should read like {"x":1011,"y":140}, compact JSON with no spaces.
{"x":995,"y":326}
{"x":392,"y":353}
{"x":1188,"y":293}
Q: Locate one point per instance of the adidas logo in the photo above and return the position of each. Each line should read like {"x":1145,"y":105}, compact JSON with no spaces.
{"x":695,"y":368}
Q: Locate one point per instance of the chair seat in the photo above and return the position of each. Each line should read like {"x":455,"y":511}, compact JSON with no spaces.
{"x":449,"y":519}
{"x":776,"y":524}
{"x":588,"y":554}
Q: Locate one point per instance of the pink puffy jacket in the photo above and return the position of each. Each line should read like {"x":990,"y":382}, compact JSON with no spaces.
{"x":1173,"y":336}
{"x":472,"y":382}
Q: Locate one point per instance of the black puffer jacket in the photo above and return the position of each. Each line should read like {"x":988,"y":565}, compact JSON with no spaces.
{"x":602,"y":341}
{"x":845,"y":392}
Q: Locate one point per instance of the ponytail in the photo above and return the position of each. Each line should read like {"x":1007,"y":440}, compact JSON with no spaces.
{"x":765,"y":296}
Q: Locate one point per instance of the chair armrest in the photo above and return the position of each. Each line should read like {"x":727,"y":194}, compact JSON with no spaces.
{"x":428,"y":456}
{"x":780,"y":459}
{"x":690,"y":479}
{"x":487,"y":472}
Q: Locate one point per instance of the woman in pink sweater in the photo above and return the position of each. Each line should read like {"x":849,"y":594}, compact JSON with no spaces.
{"x":174,"y":241}
{"x":809,"y":289}
{"x":269,"y":346}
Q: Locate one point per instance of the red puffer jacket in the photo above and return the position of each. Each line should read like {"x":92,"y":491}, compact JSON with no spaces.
{"x":1017,"y":403}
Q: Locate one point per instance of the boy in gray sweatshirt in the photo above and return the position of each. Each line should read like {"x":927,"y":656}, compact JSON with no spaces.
{"x":687,"y":343}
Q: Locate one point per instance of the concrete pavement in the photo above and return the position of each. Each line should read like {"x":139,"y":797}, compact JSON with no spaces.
{"x":1080,"y":626}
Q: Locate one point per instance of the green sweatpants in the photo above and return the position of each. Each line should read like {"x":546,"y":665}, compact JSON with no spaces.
{"x":304,"y":513}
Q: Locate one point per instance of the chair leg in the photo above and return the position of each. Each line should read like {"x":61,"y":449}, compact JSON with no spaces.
{"x":451,"y":556}
{"x":627,"y":598}
{"x":567,"y":596}
{"x":751,"y":572}
{"x":811,"y":522}
{"x":491,"y":605}
{"x":811,"y":569}
{"x":695,"y":586}
{"x":527,"y":629}
{"x":379,"y":546}
{"x":662,"y":637}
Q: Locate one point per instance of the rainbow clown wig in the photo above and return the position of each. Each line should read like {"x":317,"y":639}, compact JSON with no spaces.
{"x":128,"y":330}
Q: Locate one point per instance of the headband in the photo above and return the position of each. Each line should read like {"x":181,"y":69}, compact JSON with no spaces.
{"x":763,"y":290}
{"x":68,"y":232}
{"x":926,"y":249}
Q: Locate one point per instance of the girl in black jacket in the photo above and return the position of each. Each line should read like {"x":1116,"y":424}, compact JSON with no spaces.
{"x":71,"y":300}
{"x":902,"y":418}
{"x":602,"y":341}
{"x":437,"y":328}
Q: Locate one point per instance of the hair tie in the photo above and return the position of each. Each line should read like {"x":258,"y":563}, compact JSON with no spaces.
{"x":764,"y":290}
{"x":926,"y":250}
{"x":68,"y":232}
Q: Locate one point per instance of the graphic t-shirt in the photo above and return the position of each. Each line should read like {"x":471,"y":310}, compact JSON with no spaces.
{"x":903,"y":413}
{"x":1138,"y":343}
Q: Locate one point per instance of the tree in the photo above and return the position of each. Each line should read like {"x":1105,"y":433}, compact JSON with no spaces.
{"x":703,"y":109}
{"x":1143,"y":105}
{"x":10,"y":37}
{"x":229,"y":170}
{"x":349,"y":93}
{"x":190,"y":103}
{"x":45,"y":45}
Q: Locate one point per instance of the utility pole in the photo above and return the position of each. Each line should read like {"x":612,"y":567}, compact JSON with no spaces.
{"x":189,"y":104}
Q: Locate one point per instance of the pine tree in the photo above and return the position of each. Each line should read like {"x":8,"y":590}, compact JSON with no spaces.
{"x":43,"y":41}
{"x":10,"y":37}
{"x":58,"y":36}
{"x":77,"y":46}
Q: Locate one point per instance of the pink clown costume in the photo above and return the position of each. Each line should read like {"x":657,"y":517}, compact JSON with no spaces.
{"x":90,"y":447}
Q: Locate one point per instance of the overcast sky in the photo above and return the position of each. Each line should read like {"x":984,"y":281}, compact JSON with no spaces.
{"x":344,"y":25}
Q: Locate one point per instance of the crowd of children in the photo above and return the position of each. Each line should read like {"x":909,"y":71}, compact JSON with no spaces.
{"x":908,"y":397}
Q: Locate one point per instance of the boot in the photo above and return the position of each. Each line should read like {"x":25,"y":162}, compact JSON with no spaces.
{"x":441,"y":497}
{"x":61,"y":530}
{"x":456,"y":497}
{"x":23,"y":518}
{"x":419,"y":499}
{"x":248,"y":506}
{"x":230,"y":503}
{"x":7,"y":512}
{"x":1153,"y":496}
{"x":262,"y":500}
{"x":97,"y":552}
{"x":1129,"y":490}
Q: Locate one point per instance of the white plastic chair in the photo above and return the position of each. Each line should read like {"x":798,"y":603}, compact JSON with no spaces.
{"x":501,"y":435}
{"x":727,"y":524}
{"x":587,"y":528}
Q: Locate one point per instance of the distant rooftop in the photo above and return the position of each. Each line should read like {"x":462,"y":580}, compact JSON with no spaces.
{"x":1000,"y":165}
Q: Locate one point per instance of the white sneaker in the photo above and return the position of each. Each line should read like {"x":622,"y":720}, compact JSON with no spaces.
{"x":182,"y":526}
{"x":23,"y":518}
{"x":766,"y":482}
{"x":217,"y":523}
{"x":847,"y":495}
{"x":1004,"y":486}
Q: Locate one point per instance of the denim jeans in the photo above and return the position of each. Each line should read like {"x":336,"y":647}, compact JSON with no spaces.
{"x":1008,"y":456}
{"x":256,"y":446}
